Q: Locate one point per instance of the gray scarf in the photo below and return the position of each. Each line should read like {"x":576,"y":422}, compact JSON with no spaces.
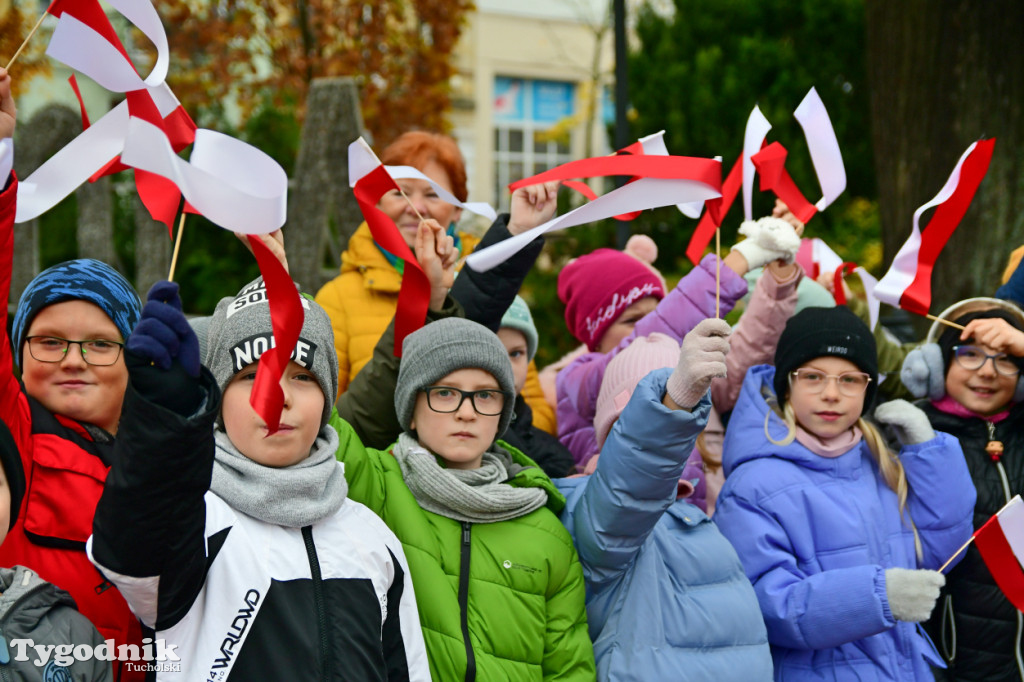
{"x":474,"y":495}
{"x":294,"y":496}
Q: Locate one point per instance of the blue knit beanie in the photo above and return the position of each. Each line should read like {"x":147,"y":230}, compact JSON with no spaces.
{"x":518,"y":317}
{"x":84,"y":279}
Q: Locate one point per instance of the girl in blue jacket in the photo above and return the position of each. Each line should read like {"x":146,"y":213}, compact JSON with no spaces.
{"x":839,"y":536}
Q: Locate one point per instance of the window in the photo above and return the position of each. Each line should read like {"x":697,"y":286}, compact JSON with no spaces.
{"x":526,"y":134}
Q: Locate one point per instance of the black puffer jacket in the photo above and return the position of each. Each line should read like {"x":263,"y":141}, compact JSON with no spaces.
{"x":540,"y":446}
{"x":975,"y":628}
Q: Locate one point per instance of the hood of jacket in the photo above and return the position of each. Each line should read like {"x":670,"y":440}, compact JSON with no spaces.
{"x":27,"y":598}
{"x":745,"y":438}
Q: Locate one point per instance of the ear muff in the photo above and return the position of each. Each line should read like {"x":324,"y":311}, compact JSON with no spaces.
{"x":924,"y":372}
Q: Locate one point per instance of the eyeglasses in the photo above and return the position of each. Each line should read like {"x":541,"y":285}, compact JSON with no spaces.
{"x":97,"y":352}
{"x":972,"y":357}
{"x":488,"y":402}
{"x":850,"y":384}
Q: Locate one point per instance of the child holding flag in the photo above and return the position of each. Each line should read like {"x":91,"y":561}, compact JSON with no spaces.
{"x":839,"y":536}
{"x":971,"y":382}
{"x":67,"y":337}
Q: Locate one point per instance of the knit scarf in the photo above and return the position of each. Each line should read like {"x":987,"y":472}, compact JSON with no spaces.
{"x":294,"y":496}
{"x":829,"y":447}
{"x":479,"y":495}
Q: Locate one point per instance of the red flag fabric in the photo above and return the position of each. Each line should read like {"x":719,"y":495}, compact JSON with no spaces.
{"x":414,"y":296}
{"x":717,"y":208}
{"x":837,"y":289}
{"x":286,"y":317}
{"x":770,"y":163}
{"x":81,"y":102}
{"x":999,"y":542}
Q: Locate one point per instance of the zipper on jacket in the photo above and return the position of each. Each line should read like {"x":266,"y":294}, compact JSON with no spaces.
{"x":1006,"y":497}
{"x":4,"y":676}
{"x":464,"y":602}
{"x":318,"y":597}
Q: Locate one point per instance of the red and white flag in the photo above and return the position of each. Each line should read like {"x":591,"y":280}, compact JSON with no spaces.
{"x":1001,"y":543}
{"x":370,"y":181}
{"x":908,"y":283}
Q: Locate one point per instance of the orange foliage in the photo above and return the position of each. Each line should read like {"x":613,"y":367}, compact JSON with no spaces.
{"x":15,"y":24}
{"x":399,"y":50}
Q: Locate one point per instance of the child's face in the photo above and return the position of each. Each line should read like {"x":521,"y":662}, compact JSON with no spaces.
{"x":72,"y":387}
{"x":623,"y":325}
{"x":515,"y":343}
{"x":463,"y":436}
{"x":828,"y":413}
{"x":300,"y":418}
{"x":424,"y":198}
{"x":982,"y":390}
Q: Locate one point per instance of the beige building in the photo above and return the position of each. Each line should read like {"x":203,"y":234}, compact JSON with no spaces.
{"x":531,"y":89}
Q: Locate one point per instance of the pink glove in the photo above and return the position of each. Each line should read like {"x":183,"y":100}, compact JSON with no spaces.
{"x":701,"y":359}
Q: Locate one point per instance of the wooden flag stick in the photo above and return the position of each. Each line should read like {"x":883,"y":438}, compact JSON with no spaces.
{"x":406,"y":197}
{"x":25,"y":42}
{"x":946,"y":322}
{"x":177,"y":245}
{"x":956,"y":554}
{"x":718,"y":271}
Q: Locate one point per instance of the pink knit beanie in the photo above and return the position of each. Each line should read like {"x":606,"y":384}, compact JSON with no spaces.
{"x":644,"y":355}
{"x":596,"y":288}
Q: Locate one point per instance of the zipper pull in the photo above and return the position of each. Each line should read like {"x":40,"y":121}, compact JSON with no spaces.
{"x":103,"y":587}
{"x":465,"y":533}
{"x":994,"y":448}
{"x":5,"y":654}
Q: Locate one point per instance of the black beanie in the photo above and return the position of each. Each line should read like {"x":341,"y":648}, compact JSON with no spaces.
{"x":817,"y":332}
{"x":14,"y":471}
{"x":951,"y":335}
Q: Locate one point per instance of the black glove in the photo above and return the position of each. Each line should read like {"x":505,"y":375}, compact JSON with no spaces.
{"x":163,"y":352}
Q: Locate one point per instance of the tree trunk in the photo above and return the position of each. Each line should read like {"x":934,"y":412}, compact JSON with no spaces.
{"x":96,"y":222}
{"x":319,"y":197}
{"x":942,"y":75}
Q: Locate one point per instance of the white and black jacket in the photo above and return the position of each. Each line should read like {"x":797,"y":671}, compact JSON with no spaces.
{"x":240,"y":598}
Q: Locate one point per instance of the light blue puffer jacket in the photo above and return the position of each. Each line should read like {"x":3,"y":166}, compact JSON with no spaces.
{"x":816,"y":535}
{"x":666,"y":595}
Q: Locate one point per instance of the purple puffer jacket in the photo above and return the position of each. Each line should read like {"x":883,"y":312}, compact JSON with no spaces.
{"x":578,"y":385}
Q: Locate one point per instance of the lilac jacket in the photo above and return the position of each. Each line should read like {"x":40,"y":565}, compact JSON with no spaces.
{"x":578,"y":385}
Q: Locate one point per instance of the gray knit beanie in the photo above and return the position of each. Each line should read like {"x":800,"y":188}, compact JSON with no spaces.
{"x":240,"y":331}
{"x":518,"y":317}
{"x":442,"y":347}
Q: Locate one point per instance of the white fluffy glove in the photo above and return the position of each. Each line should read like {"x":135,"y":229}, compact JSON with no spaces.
{"x":909,"y":422}
{"x":912,"y":593}
{"x":768,"y":239}
{"x":701,"y":359}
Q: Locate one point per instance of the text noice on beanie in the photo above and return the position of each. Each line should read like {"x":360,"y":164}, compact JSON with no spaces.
{"x":442,"y":347}
{"x":641,"y":357}
{"x":84,"y":279}
{"x":518,"y":317}
{"x":597,"y":287}
{"x":825,"y":332}
{"x":240,"y":331}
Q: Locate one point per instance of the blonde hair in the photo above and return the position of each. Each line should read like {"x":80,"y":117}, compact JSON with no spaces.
{"x":888,"y":463}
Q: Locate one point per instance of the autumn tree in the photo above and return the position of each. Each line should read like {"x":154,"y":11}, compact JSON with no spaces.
{"x":16,"y":20}
{"x":257,"y":51}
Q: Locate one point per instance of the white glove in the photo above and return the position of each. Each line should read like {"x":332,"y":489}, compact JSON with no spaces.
{"x":908,"y":421}
{"x":701,"y":359}
{"x":912,"y":593}
{"x":768,"y":239}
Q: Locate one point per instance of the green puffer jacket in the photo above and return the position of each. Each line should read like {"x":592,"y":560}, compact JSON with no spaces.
{"x":525,"y":611}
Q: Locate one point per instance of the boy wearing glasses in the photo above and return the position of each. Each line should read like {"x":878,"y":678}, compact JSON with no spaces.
{"x":972,"y":383}
{"x":63,"y":414}
{"x":498,"y":582}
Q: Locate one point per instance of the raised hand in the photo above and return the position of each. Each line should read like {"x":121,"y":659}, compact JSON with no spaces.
{"x":8,"y":112}
{"x":701,"y":359}
{"x":532,"y":206}
{"x":997,"y":334}
{"x":910,"y":423}
{"x":435,"y":252}
{"x":163,"y":334}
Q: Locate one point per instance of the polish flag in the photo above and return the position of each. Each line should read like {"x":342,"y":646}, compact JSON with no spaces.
{"x":370,"y":181}
{"x":908,"y":283}
{"x":1001,"y":543}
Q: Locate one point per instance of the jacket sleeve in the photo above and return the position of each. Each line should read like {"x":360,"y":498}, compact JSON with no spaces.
{"x":578,"y":385}
{"x":14,"y":408}
{"x":801,"y":610}
{"x":636,"y":479}
{"x":568,"y":651}
{"x":364,"y":471}
{"x":329,"y":298}
{"x":533,"y":394}
{"x":485,"y":296}
{"x":756,"y":335}
{"x":940,"y":497}
{"x":369,"y":403}
{"x":149,"y":528}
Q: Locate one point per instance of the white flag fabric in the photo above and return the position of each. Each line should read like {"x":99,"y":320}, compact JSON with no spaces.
{"x":6,"y":159}
{"x":823,"y":147}
{"x":481,"y":208}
